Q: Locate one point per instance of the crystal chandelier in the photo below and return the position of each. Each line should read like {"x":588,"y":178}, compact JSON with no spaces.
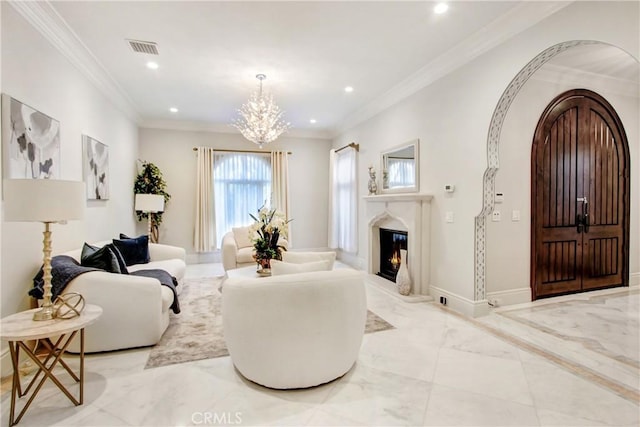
{"x":260,"y":119}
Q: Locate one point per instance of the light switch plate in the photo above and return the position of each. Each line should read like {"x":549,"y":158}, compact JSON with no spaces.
{"x":448,"y":216}
{"x":515,"y":215}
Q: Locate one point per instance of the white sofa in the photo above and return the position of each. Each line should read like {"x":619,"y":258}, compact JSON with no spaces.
{"x":296,"y":330}
{"x":237,"y":249}
{"x":135,"y":309}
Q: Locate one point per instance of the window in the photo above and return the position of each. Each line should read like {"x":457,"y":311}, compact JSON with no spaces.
{"x":242,"y":184}
{"x":344,"y":205}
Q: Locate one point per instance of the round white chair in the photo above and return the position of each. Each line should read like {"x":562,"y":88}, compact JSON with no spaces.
{"x":297,"y":330}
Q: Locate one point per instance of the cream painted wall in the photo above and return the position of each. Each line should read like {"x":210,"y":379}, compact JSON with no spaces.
{"x":172,"y":151}
{"x":508,"y":243}
{"x":38,"y":75}
{"x":451,"y":118}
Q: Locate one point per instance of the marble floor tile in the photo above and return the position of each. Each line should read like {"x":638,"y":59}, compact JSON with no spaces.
{"x":452,"y":407}
{"x":537,"y":364}
{"x":498,"y":377}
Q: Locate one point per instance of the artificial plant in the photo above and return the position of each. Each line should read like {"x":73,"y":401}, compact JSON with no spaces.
{"x":150,"y":181}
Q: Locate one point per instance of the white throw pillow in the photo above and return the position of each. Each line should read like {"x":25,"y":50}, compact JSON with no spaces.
{"x":304,"y":257}
{"x":241,"y":234}
{"x":279,"y":268}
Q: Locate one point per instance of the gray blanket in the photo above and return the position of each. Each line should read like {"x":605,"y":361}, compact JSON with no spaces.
{"x":65,"y":268}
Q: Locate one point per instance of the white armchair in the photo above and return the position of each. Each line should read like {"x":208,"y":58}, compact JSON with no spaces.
{"x":237,"y":249}
{"x":296,"y":330}
{"x":135,"y":308}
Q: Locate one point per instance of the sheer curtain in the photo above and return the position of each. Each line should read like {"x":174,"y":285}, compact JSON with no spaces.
{"x":400,"y":172}
{"x":280,"y":184}
{"x":205,"y":227}
{"x":242,"y":184}
{"x":343,"y":205}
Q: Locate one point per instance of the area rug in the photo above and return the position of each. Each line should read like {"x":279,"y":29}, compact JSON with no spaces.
{"x":196,"y":333}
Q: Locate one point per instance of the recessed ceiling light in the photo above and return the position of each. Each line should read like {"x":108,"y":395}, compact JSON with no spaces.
{"x":173,"y":109}
{"x":312,"y":121}
{"x":441,"y":8}
{"x":152,"y":65}
{"x":348,"y":89}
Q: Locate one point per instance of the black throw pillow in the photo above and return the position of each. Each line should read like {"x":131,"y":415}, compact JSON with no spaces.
{"x":133,"y":250}
{"x":102,"y":258}
{"x":121,"y":263}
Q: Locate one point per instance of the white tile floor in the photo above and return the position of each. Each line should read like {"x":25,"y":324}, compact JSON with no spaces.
{"x":522,"y":366}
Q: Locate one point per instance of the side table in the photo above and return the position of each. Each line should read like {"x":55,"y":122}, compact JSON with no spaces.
{"x":19,"y":328}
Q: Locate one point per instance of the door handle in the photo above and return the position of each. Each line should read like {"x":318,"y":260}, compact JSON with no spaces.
{"x":579,"y":223}
{"x":582,"y":221}
{"x":585,"y":215}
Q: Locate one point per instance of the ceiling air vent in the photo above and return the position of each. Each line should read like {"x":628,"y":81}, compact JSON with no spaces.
{"x":143,"y":47}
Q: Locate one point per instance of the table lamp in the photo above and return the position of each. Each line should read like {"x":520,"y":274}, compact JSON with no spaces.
{"x":149,"y":203}
{"x":47,"y":201}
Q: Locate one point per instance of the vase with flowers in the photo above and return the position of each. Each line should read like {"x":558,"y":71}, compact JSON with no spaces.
{"x":269,"y":226}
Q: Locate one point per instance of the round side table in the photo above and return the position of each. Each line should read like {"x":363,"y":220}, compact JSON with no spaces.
{"x":20,"y":328}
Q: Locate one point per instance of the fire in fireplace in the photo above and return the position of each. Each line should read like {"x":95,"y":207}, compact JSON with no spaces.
{"x":391,"y":241}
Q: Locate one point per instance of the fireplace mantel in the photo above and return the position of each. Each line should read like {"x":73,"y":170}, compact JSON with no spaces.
{"x":410,"y":212}
{"x":406,"y":197}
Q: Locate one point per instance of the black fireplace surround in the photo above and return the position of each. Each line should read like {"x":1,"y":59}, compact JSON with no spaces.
{"x":391,"y":241}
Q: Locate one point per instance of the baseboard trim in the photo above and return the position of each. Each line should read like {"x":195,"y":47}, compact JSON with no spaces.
{"x":6,"y":367}
{"x":634,"y":279}
{"x":509,"y":297}
{"x":459,"y":303}
{"x":203,"y":257}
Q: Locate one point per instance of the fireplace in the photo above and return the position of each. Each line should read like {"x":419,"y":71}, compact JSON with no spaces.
{"x":410,"y":213}
{"x":391,"y":241}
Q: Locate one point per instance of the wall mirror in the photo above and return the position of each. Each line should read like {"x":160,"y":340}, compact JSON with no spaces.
{"x":400,"y":167}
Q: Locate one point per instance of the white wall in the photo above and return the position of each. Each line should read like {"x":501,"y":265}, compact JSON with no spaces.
{"x":451,"y":118}
{"x":38,"y":75}
{"x":508,"y":243}
{"x":172,"y":151}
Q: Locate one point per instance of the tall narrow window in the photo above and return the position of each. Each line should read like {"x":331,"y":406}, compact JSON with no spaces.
{"x":242,"y":184}
{"x":344,"y":204}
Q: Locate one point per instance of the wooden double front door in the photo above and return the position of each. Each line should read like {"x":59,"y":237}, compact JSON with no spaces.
{"x":580,"y":197}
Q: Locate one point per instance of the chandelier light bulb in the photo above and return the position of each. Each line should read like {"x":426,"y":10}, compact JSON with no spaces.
{"x":260,"y":118}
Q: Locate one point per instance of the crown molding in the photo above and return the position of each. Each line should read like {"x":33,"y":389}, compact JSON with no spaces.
{"x":195,"y":126}
{"x":46,"y":20}
{"x":551,"y":73}
{"x":515,"y":21}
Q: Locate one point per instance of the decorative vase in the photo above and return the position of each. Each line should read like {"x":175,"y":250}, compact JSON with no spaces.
{"x":403,"y":280}
{"x":264,"y":267}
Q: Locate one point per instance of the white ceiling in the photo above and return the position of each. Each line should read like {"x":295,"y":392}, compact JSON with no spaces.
{"x":210,"y":52}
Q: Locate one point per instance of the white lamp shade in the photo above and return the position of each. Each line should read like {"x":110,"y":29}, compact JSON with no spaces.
{"x":149,"y":202}
{"x":43,"y":200}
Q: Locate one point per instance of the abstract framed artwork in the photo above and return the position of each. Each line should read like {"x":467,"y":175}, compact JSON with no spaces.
{"x":31,"y":142}
{"x":96,"y":168}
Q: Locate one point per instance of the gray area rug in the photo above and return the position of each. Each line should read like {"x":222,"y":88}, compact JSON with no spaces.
{"x":196,"y":333}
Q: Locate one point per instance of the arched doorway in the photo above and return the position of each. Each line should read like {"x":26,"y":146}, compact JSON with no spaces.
{"x":493,"y":161}
{"x":579,"y":197}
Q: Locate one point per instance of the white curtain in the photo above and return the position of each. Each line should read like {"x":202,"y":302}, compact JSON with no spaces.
{"x":280,"y":184}
{"x":401,"y":172}
{"x":205,"y":224}
{"x":242,"y":184}
{"x":343,"y":205}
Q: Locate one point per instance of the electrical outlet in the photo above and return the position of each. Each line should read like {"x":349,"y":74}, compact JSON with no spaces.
{"x":443,"y":300}
{"x":495,"y":217}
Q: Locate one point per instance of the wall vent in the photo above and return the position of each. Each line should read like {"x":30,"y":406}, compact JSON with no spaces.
{"x":143,"y":47}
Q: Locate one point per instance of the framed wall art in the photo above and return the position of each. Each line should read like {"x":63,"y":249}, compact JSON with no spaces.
{"x":96,"y":168}
{"x":31,"y":142}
